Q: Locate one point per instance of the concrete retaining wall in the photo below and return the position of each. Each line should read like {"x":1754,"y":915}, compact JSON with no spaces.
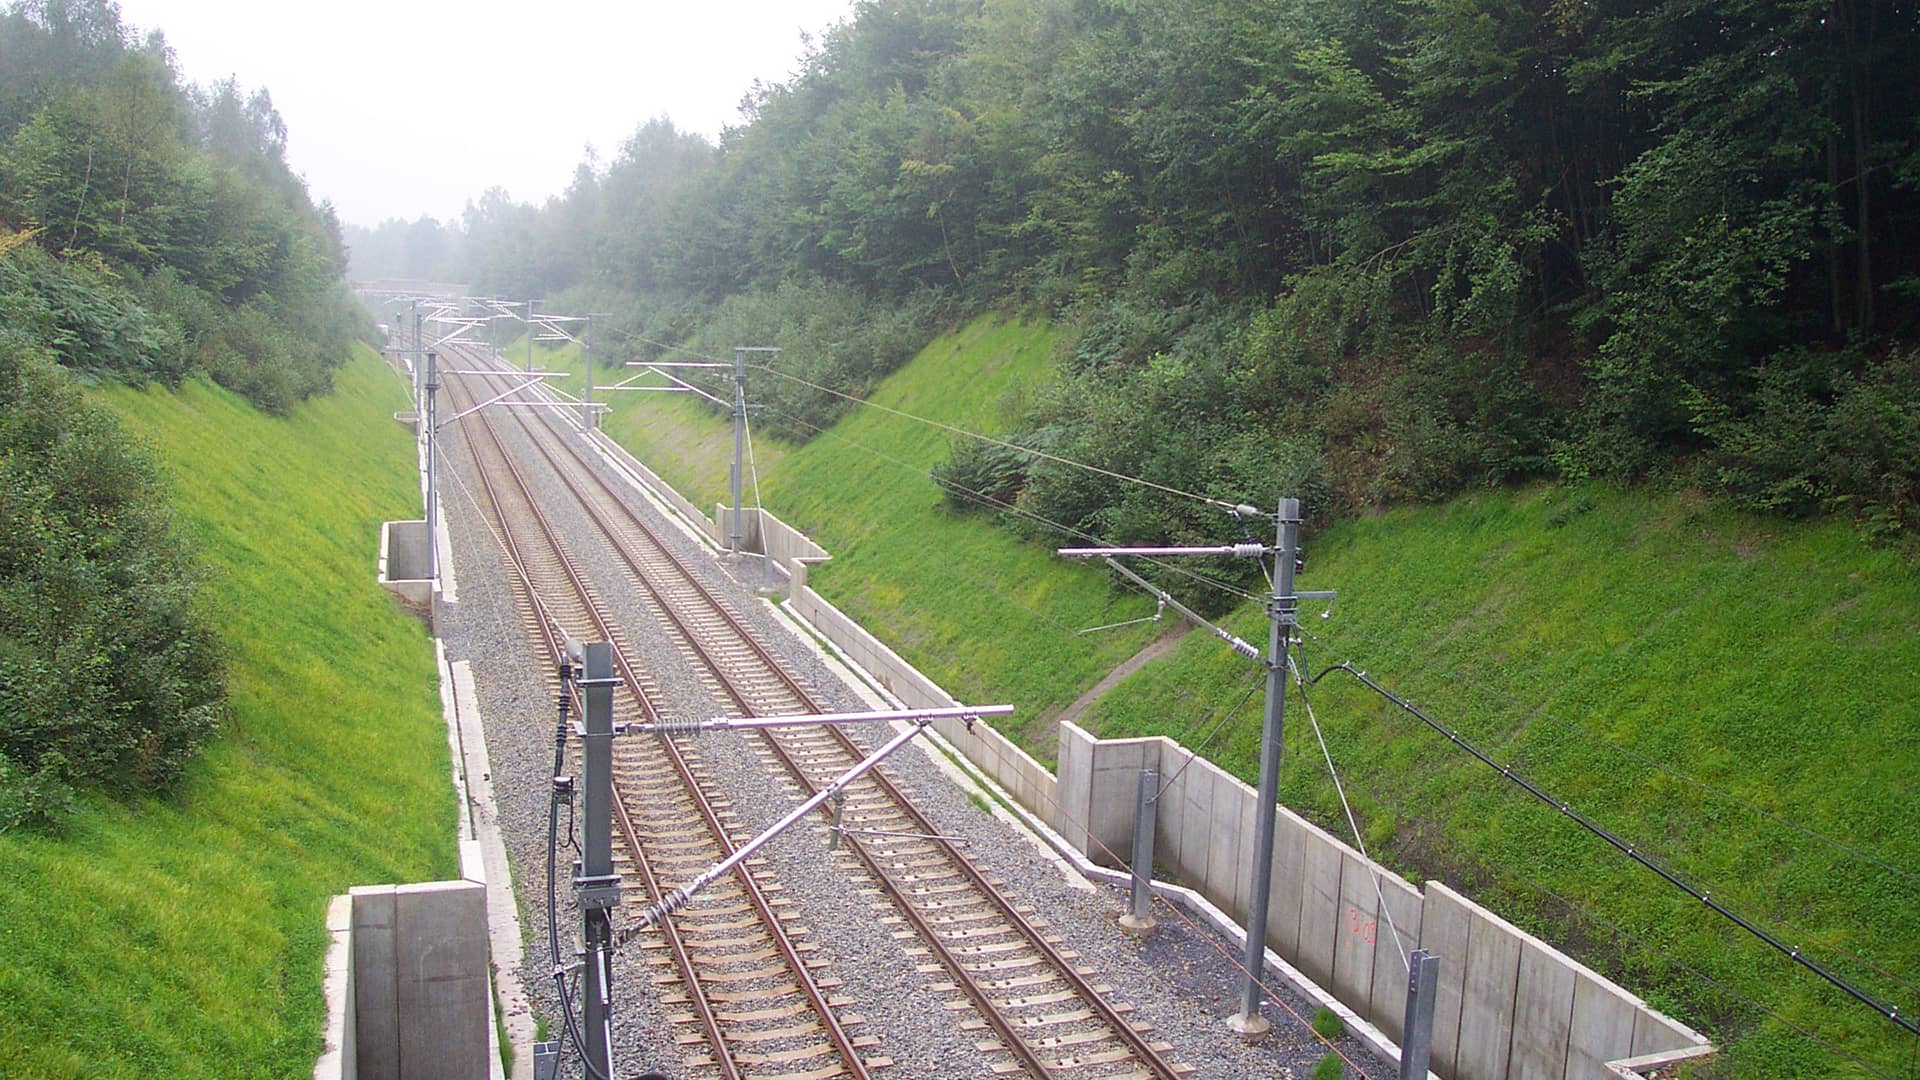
{"x":1509,"y":1005}
{"x":408,"y":984}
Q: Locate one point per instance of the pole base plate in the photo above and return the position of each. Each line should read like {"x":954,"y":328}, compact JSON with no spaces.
{"x":1251,"y":1028}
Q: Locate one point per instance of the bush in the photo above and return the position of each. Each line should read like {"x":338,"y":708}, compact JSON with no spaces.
{"x":88,"y":322}
{"x":1817,"y":439}
{"x":108,"y":676}
{"x":982,"y":475}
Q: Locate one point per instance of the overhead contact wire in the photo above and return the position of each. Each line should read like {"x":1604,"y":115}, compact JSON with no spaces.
{"x":1792,"y":953}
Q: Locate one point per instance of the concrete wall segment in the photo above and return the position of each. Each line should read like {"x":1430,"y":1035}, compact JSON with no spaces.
{"x":1358,"y":936}
{"x":1602,"y":1023}
{"x":376,"y":986}
{"x":440,"y":931}
{"x":1543,"y":1016}
{"x":1320,"y":913}
{"x":1487,"y":999}
{"x":1443,"y":932}
{"x":1397,"y":938}
{"x":1290,"y":832}
{"x":1227,"y":850}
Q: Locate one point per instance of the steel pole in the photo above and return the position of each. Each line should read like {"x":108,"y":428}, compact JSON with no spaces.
{"x":1280,"y":611}
{"x":586,"y":407}
{"x":1416,"y":1039}
{"x":598,"y":885}
{"x":1139,"y":917}
{"x":739,"y":445}
{"x":433,"y":467}
{"x":530,"y":336}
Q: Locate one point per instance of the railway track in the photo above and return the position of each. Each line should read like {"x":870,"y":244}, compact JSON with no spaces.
{"x":736,"y":981}
{"x":1035,"y":1010}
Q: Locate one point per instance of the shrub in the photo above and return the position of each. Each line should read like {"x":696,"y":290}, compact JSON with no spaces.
{"x":108,"y":676}
{"x":1819,"y":439}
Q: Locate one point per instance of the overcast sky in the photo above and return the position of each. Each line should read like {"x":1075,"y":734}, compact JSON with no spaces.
{"x":412,"y":107}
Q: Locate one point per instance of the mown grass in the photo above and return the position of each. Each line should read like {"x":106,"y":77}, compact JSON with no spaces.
{"x":184,"y":936}
{"x":1733,"y":694}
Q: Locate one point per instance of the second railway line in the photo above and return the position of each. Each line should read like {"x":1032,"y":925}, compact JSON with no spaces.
{"x":934,"y":976}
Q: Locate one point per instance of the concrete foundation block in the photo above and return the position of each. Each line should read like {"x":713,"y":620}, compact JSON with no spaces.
{"x":443,"y":990}
{"x":1542,"y":1015}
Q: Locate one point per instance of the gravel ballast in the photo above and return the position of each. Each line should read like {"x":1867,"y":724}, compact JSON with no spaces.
{"x":1182,"y":979}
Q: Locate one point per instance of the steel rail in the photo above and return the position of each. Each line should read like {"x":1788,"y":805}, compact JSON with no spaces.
{"x":841,"y":1041}
{"x":1136,"y":1043}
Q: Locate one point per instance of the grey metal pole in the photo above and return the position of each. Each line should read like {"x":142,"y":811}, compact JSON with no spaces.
{"x":419,"y":405}
{"x":433,"y":467}
{"x":586,"y":408}
{"x":598,"y":885}
{"x":1139,"y":917}
{"x":1416,"y":1040}
{"x":530,"y":304}
{"x":1280,"y":610}
{"x":739,"y":444}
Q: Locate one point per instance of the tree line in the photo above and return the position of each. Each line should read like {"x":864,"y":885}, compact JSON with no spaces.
{"x":1367,"y":251}
{"x":149,"y":230}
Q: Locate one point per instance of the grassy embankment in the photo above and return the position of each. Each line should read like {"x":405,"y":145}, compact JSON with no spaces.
{"x":184,"y":936}
{"x":967,"y":602}
{"x":1714,"y":686}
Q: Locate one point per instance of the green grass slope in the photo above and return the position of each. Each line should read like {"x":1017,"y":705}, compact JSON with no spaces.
{"x":184,"y":936}
{"x":1734,"y":694}
{"x":992,"y":619}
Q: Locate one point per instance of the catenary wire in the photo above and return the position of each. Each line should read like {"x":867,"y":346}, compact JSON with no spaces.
{"x":1003,"y":443}
{"x":1359,"y":841}
{"x":1019,"y":511}
{"x":1631,"y":851}
{"x":1655,"y":764}
{"x":1507,"y":872}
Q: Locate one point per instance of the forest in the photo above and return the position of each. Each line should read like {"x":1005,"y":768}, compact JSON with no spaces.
{"x":150,"y":231}
{"x":1367,"y":252}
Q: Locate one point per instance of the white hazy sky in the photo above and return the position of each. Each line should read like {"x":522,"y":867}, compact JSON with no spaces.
{"x":413,"y":107}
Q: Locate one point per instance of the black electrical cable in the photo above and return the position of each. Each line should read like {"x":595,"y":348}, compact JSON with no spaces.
{"x":1630,"y":850}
